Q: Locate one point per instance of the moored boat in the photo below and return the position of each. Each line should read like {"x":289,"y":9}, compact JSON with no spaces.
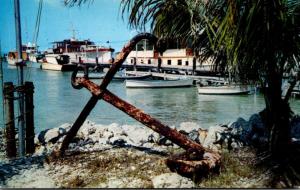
{"x":224,"y":90}
{"x":126,"y":77}
{"x":57,"y":62}
{"x":170,"y":83}
{"x":12,"y":57}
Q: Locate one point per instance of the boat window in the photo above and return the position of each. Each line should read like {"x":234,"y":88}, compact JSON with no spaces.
{"x":169,"y":62}
{"x":131,"y":61}
{"x":179,"y":62}
{"x":149,"y":45}
{"x":149,"y":61}
{"x":142,"y":61}
{"x":140,"y":46}
{"x":187,"y":63}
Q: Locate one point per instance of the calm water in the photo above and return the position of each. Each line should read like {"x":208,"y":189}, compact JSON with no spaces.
{"x":56,"y":102}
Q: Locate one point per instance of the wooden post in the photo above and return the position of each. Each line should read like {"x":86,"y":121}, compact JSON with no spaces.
{"x":29,"y":107}
{"x":10,"y":133}
{"x":194,"y":66}
{"x":134,"y":63}
{"x":159,"y":65}
{"x":97,"y":61}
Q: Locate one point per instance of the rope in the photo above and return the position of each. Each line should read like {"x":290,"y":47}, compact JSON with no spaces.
{"x":35,"y":35}
{"x":37,"y":22}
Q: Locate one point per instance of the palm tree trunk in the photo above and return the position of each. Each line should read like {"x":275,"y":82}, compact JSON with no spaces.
{"x":278,"y":117}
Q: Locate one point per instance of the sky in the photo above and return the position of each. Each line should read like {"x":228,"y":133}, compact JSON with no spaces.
{"x":100,"y":21}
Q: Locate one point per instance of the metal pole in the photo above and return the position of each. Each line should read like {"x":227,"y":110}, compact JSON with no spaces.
{"x":10,"y":133}
{"x":21,"y":81}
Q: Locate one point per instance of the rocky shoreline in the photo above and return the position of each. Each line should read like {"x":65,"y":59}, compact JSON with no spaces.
{"x":120,"y":156}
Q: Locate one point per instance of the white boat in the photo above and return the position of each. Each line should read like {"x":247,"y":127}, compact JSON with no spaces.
{"x":224,"y":90}
{"x":57,"y":62}
{"x":170,"y":83}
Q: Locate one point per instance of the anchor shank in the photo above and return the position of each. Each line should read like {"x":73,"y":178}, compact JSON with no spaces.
{"x":79,"y":121}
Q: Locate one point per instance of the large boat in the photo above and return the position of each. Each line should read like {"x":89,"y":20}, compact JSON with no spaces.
{"x":84,"y":51}
{"x":224,"y":90}
{"x":57,"y":62}
{"x":169,"y":83}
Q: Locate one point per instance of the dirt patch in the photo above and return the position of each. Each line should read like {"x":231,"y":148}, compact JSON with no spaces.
{"x":98,"y":169}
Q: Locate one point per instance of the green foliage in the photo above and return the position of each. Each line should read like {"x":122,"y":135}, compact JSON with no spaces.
{"x":259,"y":36}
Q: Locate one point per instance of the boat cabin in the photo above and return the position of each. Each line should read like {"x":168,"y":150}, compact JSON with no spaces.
{"x":70,"y":45}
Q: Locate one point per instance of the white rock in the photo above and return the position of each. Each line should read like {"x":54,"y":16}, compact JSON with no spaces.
{"x":66,"y":126}
{"x":212,"y":137}
{"x":126,"y":182}
{"x":33,"y":178}
{"x":137,"y":134}
{"x":52,"y":134}
{"x":172,"y":180}
{"x":114,"y":128}
{"x":188,"y":126}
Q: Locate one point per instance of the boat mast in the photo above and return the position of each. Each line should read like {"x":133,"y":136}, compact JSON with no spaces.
{"x":20,"y":64}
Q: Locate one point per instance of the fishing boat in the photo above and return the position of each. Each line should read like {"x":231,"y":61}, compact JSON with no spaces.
{"x":168,"y":83}
{"x":57,"y":62}
{"x":224,"y":90}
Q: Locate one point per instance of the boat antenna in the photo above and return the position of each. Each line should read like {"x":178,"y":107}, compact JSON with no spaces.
{"x":20,"y":64}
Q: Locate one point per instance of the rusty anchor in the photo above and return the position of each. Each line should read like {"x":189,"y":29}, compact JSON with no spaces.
{"x":197,"y":160}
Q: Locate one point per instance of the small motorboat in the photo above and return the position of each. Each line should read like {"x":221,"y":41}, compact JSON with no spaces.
{"x":225,"y":90}
{"x":167,"y":83}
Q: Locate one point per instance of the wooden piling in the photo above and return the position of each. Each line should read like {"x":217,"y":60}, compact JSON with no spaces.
{"x":10,"y":133}
{"x":29,"y":107}
{"x":134,"y":64}
{"x":159,"y":65}
{"x":97,"y":61}
{"x":194,"y":66}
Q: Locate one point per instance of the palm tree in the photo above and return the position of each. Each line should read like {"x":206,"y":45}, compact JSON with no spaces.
{"x":263,"y":37}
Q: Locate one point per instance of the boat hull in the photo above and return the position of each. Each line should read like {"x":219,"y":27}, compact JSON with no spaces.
{"x":11,"y":62}
{"x":224,"y":90}
{"x":57,"y":67}
{"x":159,"y":83}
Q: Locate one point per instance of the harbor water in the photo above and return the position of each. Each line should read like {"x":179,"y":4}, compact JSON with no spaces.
{"x":56,"y":102}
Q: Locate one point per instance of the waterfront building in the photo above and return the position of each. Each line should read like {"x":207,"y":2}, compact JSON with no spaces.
{"x":175,"y":57}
